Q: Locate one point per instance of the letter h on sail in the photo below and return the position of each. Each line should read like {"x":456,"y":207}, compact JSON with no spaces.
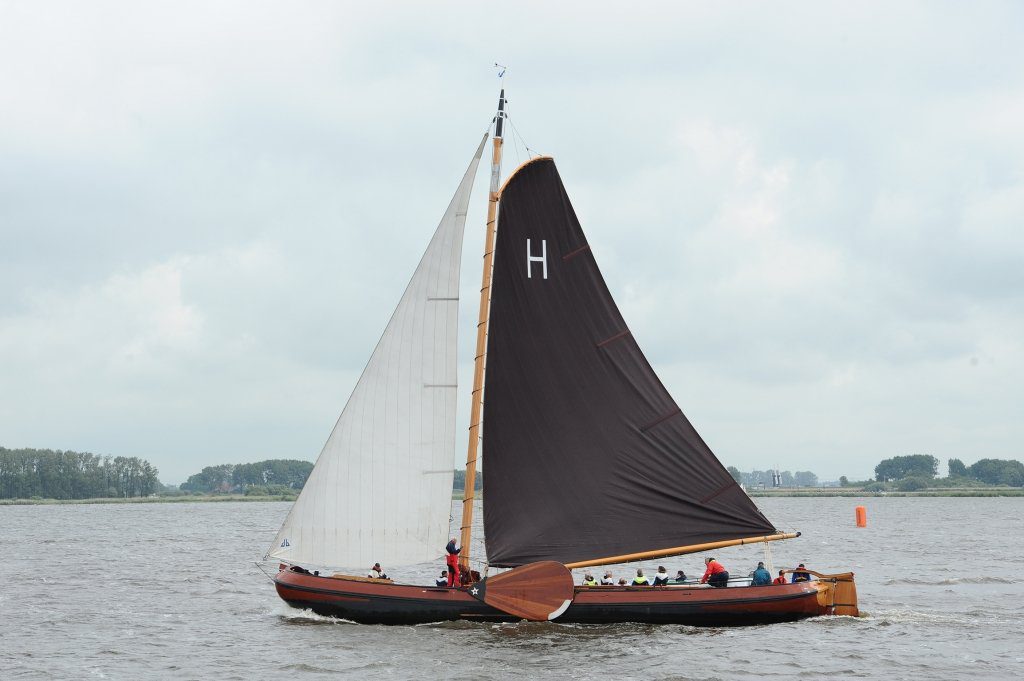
{"x":531,"y":258}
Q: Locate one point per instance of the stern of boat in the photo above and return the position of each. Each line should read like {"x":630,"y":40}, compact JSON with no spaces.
{"x":838,"y":594}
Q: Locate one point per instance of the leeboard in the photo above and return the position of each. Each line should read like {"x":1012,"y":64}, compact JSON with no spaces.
{"x":537,"y":592}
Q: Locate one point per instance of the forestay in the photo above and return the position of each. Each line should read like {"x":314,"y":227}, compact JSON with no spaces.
{"x":381,"y":488}
{"x":587,"y":455}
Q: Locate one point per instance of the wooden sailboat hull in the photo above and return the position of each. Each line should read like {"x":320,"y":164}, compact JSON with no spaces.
{"x":369,"y":602}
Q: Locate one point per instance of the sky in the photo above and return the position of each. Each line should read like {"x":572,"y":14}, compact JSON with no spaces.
{"x":810,"y":214}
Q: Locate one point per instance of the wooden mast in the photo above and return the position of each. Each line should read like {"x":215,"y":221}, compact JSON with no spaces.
{"x":481,"y":339}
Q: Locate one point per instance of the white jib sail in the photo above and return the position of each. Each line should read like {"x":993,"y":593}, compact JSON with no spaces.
{"x":381,"y":489}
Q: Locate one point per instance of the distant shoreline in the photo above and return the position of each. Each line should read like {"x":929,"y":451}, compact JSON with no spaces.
{"x":850,"y":492}
{"x":183,"y":499}
{"x":148,"y":500}
{"x":457,"y":496}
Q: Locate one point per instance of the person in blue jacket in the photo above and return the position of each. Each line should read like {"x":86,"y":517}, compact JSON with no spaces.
{"x":799,"y":575}
{"x":760,"y":576}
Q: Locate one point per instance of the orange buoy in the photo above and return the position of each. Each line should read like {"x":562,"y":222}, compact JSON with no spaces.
{"x":862,"y":517}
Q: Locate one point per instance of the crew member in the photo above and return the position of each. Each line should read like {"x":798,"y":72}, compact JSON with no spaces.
{"x":588,"y":580}
{"x":452,"y":561}
{"x":781,"y":579}
{"x":376,"y":572}
{"x":467,"y":576}
{"x":640,"y":580}
{"x":443,"y":579}
{"x":800,"y":575}
{"x":680,"y":578}
{"x":608,"y":580}
{"x":661,"y":578}
{"x":761,"y":576}
{"x":716,"y":575}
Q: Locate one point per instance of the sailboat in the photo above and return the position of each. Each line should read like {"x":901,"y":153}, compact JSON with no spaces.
{"x":589,"y":459}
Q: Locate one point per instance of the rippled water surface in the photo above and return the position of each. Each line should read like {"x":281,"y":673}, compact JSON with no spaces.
{"x":170,"y":591}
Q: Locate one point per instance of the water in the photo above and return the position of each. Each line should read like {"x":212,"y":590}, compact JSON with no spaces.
{"x":170,"y":591}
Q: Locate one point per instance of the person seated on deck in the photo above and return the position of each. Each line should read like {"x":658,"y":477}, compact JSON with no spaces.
{"x":443,"y":579}
{"x":467,"y":576}
{"x":680,"y":578}
{"x":760,"y":576}
{"x":640,"y":580}
{"x":588,"y":580}
{"x":800,"y":576}
{"x":376,"y":572}
{"x":608,"y":580}
{"x":622,"y":581}
{"x":661,"y":578}
{"x":781,"y":579}
{"x":716,"y":575}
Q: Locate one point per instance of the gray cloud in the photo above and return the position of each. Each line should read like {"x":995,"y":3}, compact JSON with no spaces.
{"x":809,"y":214}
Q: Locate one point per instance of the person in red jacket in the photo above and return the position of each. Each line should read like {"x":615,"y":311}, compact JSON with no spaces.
{"x":781,"y":579}
{"x":452,"y":561}
{"x":716,"y":575}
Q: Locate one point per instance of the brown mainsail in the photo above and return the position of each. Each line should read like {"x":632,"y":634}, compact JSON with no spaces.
{"x":587,"y":454}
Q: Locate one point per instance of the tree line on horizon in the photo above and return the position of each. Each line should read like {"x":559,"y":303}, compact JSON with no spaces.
{"x":459,"y":480}
{"x":56,"y":474}
{"x":917,"y":471}
{"x":272,"y":476}
{"x":904,"y":473}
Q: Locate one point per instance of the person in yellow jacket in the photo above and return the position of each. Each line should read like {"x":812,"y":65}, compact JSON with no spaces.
{"x":588,"y":580}
{"x":640,"y":580}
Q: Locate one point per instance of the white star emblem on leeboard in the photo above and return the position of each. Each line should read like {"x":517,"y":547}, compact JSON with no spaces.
{"x":475,"y":591}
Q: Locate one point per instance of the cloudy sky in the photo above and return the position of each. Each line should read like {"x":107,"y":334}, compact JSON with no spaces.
{"x":810,"y":214}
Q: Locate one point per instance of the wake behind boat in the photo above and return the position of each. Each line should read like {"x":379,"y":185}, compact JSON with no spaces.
{"x":590,"y":461}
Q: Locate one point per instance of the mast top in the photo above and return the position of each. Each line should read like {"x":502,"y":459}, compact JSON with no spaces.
{"x":499,"y":119}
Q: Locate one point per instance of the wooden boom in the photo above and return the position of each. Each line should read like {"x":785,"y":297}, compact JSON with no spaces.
{"x":680,"y":550}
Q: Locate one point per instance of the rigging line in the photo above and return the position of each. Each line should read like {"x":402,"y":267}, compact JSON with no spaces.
{"x":768,"y":558}
{"x":515,"y":132}
{"x":515,"y":147}
{"x":515,"y":143}
{"x":260,"y":568}
{"x":516,"y":137}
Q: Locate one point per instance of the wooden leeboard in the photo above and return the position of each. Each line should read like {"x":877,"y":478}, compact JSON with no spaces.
{"x":536,"y":591}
